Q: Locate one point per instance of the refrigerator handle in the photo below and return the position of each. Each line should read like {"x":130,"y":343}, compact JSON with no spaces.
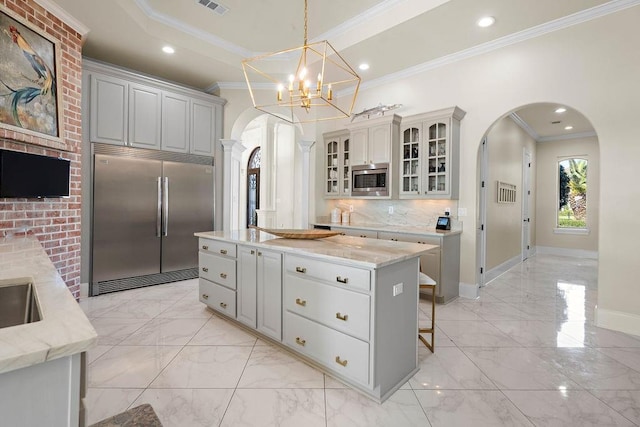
{"x":165,"y":205}
{"x":159,"y":213}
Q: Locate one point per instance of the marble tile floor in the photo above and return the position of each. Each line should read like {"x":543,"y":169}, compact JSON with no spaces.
{"x":525,"y":353}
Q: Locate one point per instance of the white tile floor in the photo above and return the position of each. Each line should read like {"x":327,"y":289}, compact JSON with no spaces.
{"x":525,"y":353}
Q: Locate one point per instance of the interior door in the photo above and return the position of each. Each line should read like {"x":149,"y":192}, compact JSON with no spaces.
{"x":187,"y":209}
{"x":526,"y":198}
{"x":126,"y":242}
{"x":481,"y":233}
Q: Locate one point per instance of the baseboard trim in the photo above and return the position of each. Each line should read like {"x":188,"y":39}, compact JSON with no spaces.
{"x":84,"y":290}
{"x":502,"y":268}
{"x":468,"y":290}
{"x":578,"y":253}
{"x":618,"y":321}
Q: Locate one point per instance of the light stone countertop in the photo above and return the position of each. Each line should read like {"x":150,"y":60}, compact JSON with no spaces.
{"x":406,"y":229}
{"x":356,"y":251}
{"x":63,"y":330}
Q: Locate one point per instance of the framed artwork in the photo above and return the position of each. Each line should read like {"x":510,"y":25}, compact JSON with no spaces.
{"x":29,"y":87}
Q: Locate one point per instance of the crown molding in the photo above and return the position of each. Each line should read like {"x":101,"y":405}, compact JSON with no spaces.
{"x":530,"y":33}
{"x":577,"y":135}
{"x":525,"y":126}
{"x":192,"y":31}
{"x":64,"y":16}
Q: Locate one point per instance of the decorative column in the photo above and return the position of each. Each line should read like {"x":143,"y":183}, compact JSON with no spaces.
{"x":305,"y":147}
{"x":230,"y":183}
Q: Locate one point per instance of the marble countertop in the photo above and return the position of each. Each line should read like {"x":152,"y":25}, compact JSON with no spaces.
{"x":63,"y":330}
{"x":406,"y":229}
{"x":368,"y":253}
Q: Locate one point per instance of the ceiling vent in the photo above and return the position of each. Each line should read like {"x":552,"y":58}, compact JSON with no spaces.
{"x":216,"y":7}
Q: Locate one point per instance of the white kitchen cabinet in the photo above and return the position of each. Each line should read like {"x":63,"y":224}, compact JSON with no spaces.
{"x":374,"y":140}
{"x":145,"y":115}
{"x":336,"y":164}
{"x":260,"y":290}
{"x":443,"y":265}
{"x":109,"y":109}
{"x":175,"y":123}
{"x":217,"y":270}
{"x":357,"y":232}
{"x":129,"y":109}
{"x":429,"y":152}
{"x":204,"y":116}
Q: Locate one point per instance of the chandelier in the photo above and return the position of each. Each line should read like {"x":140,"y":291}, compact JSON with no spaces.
{"x":300,"y":85}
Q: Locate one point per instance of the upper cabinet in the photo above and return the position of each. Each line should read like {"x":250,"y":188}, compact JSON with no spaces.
{"x":429,"y":154}
{"x":374,"y":140}
{"x":138,"y":111}
{"x":336,"y":164}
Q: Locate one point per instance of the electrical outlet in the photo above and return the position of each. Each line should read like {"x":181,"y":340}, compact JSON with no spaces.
{"x":397,"y":289}
{"x":350,"y":208}
{"x":447,"y":211}
{"x":390,"y":210}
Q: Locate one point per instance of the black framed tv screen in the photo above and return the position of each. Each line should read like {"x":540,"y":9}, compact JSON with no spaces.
{"x":28,"y":175}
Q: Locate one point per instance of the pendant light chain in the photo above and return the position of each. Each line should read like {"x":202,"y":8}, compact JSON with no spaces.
{"x":305,"y":22}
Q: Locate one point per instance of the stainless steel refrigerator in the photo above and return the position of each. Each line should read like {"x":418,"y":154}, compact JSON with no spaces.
{"x":146,"y":206}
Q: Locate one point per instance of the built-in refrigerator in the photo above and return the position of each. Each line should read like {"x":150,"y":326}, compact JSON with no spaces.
{"x":146,"y":206}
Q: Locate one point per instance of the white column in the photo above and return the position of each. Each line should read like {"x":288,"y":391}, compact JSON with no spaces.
{"x":231,"y":182}
{"x":305,"y":147}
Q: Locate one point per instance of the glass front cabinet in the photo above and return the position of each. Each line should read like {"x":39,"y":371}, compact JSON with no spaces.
{"x":337,"y":176}
{"x":429,"y":155}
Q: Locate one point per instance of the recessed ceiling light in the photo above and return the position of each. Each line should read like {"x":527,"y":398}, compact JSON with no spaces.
{"x":486,"y":21}
{"x":364,"y":66}
{"x":568,"y":127}
{"x":561,"y":110}
{"x":168,"y":49}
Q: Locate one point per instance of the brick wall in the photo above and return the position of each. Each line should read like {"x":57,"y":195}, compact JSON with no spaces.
{"x":55,"y":221}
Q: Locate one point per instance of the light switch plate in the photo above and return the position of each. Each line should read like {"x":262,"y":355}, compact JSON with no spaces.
{"x":397,"y":289}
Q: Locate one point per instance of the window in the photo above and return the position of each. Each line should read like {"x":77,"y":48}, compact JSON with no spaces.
{"x":572,"y":194}
{"x":253,"y":187}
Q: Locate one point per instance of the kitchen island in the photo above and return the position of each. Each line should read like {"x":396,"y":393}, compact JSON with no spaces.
{"x":346,"y":305}
{"x":40,"y":361}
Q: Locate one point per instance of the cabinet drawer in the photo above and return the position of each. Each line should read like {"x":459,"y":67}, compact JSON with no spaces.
{"x":217,"y":269}
{"x":341,"y":353}
{"x":412,"y":238}
{"x":341,"y":275}
{"x":357,"y":232}
{"x":217,"y":247}
{"x":340,"y":309}
{"x":218,"y":297}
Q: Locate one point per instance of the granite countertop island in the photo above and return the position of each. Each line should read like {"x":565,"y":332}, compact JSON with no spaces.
{"x":63,"y":330}
{"x":367,"y":253}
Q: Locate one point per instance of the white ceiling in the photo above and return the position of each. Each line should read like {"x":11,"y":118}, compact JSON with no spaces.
{"x":391,"y":35}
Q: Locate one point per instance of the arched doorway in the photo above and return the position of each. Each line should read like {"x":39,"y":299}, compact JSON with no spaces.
{"x":253,"y":187}
{"x":522,"y":152}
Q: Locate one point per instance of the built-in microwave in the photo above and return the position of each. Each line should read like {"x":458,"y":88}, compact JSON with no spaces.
{"x":370,"y":180}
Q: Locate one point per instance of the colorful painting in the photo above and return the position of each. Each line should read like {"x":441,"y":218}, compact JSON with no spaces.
{"x":28,"y":85}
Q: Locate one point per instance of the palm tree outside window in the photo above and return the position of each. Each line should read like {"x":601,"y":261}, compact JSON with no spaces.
{"x":253,"y":187}
{"x":572,"y":194}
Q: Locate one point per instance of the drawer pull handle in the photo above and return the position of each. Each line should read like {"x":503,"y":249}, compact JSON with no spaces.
{"x":341,"y":317}
{"x":205,"y":269}
{"x":259,"y":253}
{"x":205,"y":247}
{"x":301,"y":270}
{"x":341,"y":280}
{"x":394,"y":240}
{"x":253,"y":252}
{"x":205,"y":296}
{"x":362,"y":235}
{"x":300,"y":342}
{"x":341,"y":362}
{"x":223,"y":251}
{"x":301,"y":302}
{"x":223,"y":275}
{"x":223,"y":304}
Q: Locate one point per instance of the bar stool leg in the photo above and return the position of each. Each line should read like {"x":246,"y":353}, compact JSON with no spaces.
{"x":430,"y":330}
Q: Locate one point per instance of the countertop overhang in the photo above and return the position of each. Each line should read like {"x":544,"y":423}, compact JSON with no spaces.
{"x":368,"y":253}
{"x":64,"y":329}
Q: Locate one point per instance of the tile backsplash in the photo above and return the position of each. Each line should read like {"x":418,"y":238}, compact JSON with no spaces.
{"x":423,"y":213}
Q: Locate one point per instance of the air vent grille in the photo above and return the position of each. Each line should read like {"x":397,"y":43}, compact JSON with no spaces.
{"x":214,"y":6}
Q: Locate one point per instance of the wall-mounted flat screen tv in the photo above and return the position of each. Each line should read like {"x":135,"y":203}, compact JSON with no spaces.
{"x":27,"y":175}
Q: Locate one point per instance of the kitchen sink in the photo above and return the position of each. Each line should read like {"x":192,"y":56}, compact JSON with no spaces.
{"x":18,"y":303}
